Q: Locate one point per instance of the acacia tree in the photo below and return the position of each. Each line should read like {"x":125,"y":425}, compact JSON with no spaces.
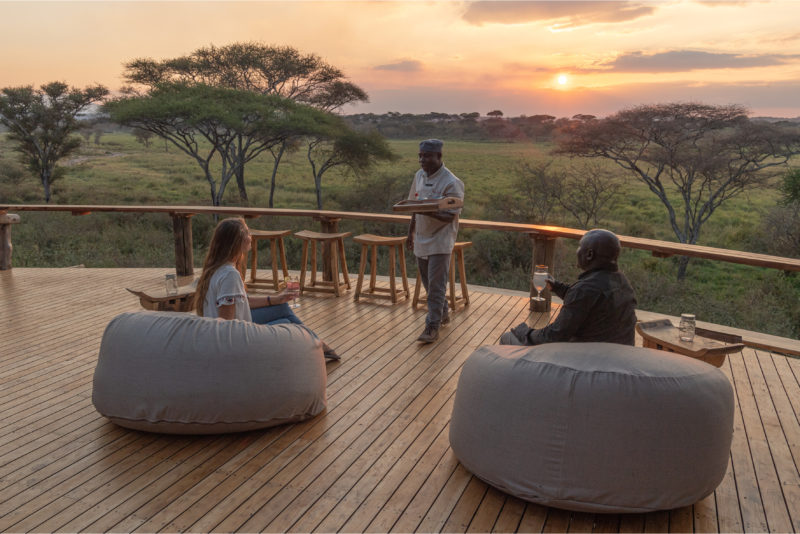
{"x":536,"y":187}
{"x":204,"y":122}
{"x":257,"y":68}
{"x":41,"y":122}
{"x":693,"y":157}
{"x":341,"y":146}
{"x":588,"y":191}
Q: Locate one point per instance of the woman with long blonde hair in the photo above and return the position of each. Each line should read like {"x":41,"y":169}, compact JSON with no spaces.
{"x":221,"y":292}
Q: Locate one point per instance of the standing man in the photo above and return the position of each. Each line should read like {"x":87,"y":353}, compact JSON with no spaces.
{"x":431,"y":235}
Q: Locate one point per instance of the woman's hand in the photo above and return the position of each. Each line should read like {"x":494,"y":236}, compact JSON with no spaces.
{"x":282,"y":297}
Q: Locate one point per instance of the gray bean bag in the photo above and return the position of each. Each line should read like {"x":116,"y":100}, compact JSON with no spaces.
{"x":182,"y":374}
{"x":594,"y":427}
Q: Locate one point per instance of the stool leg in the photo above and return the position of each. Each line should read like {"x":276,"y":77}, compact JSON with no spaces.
{"x":343,"y":259}
{"x":303,"y":262}
{"x":273,"y":253}
{"x":363,"y":265}
{"x":253,"y":260}
{"x":373,"y":267}
{"x":463,"y":276}
{"x":416,"y":292}
{"x":452,"y":281}
{"x":313,"y":263}
{"x":335,"y":269}
{"x":403,"y":270}
{"x":283,"y":257}
{"x":391,"y":274}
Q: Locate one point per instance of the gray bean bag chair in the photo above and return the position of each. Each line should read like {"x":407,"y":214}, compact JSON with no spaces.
{"x":182,"y":374}
{"x":594,"y":427}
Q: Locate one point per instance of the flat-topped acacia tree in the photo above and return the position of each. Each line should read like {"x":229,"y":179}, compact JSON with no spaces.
{"x":259,"y":68}
{"x":206,"y":122}
{"x":693,"y":157}
{"x":41,"y":124}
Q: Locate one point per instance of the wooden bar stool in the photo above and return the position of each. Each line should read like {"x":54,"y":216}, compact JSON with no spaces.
{"x":455,"y":300}
{"x":373,"y":242}
{"x":277,"y":251}
{"x":337,"y":261}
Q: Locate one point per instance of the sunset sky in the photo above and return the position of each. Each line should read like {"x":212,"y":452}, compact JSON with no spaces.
{"x":558,"y":58}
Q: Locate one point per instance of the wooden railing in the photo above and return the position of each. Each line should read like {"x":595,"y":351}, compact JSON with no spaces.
{"x":543,"y":237}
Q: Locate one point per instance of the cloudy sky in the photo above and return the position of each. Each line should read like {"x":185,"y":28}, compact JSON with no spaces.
{"x":559,"y":58}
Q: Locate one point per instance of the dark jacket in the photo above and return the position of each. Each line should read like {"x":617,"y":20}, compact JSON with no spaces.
{"x":600,"y":306}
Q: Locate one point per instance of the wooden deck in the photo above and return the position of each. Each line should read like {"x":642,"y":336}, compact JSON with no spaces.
{"x":378,"y":460}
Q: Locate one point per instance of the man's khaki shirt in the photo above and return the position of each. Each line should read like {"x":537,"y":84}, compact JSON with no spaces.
{"x":433,"y":236}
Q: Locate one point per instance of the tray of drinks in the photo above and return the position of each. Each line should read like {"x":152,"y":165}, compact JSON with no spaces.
{"x":431,"y":204}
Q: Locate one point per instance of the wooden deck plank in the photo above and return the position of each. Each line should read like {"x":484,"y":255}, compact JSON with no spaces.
{"x":681,"y":519}
{"x":534,"y":518}
{"x":377,"y":460}
{"x":581,"y":522}
{"x":767,"y":458}
{"x":782,"y":434}
{"x":510,"y":516}
{"x":753,"y":471}
{"x":704,"y":514}
{"x":488,"y":511}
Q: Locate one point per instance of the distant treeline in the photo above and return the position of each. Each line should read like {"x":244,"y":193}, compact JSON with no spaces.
{"x":474,"y":127}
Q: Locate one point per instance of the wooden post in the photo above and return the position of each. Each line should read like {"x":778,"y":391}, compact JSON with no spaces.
{"x":330,"y":225}
{"x":182,"y":231}
{"x":544,"y":248}
{"x":6,"y":220}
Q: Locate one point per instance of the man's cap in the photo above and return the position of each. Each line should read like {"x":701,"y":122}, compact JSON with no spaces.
{"x":431,"y":145}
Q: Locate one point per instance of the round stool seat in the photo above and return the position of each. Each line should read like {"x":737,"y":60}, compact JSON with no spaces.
{"x":371,"y":239}
{"x":269,"y":234}
{"x":321,"y":236}
{"x":595,"y":427}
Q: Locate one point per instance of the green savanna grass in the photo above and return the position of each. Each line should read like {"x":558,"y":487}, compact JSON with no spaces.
{"x":119,"y":170}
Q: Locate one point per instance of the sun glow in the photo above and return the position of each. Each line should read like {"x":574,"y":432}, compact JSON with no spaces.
{"x":562,"y":79}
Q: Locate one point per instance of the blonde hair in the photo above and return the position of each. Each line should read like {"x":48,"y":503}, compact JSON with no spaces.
{"x":227,"y":246}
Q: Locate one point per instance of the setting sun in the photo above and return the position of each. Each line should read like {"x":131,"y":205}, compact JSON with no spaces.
{"x":562,"y":79}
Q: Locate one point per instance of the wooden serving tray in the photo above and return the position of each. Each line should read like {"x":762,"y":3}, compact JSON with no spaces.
{"x":434,"y":204}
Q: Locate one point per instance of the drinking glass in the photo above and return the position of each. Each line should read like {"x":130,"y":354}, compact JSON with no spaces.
{"x":540,"y":280}
{"x":293,"y":286}
{"x":171,"y":285}
{"x":686,"y":327}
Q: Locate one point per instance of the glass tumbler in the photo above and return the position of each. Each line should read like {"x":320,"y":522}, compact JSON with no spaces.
{"x":686,"y":327}
{"x":171,"y":284}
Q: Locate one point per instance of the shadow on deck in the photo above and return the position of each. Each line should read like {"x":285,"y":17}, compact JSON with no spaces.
{"x":377,"y":460}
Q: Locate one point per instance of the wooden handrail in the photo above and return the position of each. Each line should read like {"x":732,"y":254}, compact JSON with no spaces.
{"x":657,"y":247}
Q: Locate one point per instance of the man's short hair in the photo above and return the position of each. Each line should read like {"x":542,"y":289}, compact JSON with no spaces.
{"x":431,"y":145}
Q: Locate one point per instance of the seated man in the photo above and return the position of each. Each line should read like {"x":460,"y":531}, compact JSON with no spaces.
{"x":600,"y":306}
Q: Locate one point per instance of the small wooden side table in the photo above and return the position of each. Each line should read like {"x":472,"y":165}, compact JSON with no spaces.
{"x":158,"y":300}
{"x":708,"y":345}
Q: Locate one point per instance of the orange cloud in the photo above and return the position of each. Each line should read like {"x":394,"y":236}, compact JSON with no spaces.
{"x":567,"y":13}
